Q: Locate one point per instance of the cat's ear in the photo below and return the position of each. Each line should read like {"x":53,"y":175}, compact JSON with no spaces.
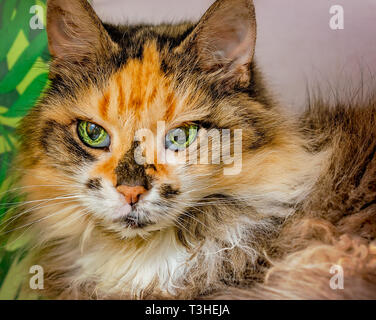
{"x":224,"y":39}
{"x":75,"y":33}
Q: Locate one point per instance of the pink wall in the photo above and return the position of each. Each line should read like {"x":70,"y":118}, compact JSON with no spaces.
{"x":295,"y":43}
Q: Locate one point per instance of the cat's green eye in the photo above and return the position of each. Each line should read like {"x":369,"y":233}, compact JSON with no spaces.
{"x":180,"y":138}
{"x":93,"y":135}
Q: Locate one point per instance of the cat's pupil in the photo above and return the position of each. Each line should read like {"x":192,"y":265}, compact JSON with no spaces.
{"x":93,"y":131}
{"x":180,"y":136}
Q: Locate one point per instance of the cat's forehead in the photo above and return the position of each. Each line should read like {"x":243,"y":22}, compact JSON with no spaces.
{"x":138,"y":91}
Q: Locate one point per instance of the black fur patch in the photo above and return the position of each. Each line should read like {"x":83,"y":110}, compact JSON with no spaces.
{"x":129,"y":172}
{"x":167,"y":191}
{"x":56,"y":139}
{"x":94,"y":184}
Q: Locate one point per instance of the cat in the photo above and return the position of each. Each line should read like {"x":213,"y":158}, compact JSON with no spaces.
{"x":105,"y":226}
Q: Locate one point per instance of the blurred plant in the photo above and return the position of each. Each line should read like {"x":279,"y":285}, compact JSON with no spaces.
{"x":23,"y":76}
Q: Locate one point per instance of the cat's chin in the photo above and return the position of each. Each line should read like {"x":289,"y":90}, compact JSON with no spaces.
{"x":129,"y":217}
{"x":132,"y":218}
{"x":132,"y":222}
{"x":140,"y":220}
{"x":138,"y":223}
{"x":122,"y":212}
{"x":144,"y":232}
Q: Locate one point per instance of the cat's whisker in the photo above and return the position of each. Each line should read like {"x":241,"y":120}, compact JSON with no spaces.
{"x":194,"y":219}
{"x":37,"y":207}
{"x":20,"y":203}
{"x":29,"y":227}
{"x":75,"y":218}
{"x":67,"y":181}
{"x":41,"y":219}
{"x":178,"y":212}
{"x":12,"y":190}
{"x":180,"y":225}
{"x":32,"y":172}
{"x":40,"y":205}
{"x":173,"y":214}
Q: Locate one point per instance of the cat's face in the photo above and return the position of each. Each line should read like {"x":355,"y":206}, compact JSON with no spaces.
{"x":90,"y":141}
{"x":106,"y":91}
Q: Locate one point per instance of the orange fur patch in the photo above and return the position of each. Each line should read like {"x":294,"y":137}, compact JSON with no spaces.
{"x":138,"y":95}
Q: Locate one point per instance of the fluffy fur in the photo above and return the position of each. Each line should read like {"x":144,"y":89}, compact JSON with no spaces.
{"x":304,"y":199}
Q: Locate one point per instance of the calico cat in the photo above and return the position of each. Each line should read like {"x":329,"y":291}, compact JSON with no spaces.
{"x":103,"y":225}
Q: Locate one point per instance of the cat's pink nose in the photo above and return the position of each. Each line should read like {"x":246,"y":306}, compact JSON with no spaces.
{"x":131,"y":194}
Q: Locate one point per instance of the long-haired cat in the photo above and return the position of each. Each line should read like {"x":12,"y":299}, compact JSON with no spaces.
{"x":103,"y":225}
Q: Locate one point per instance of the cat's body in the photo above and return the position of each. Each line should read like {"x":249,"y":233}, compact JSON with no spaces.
{"x":302,"y":202}
{"x":333,"y":230}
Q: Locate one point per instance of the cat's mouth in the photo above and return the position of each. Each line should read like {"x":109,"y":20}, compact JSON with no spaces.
{"x":136,"y":219}
{"x":133,"y":222}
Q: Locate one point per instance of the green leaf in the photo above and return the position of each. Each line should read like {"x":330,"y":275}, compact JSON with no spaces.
{"x":10,"y":28}
{"x":9,"y":7}
{"x":18,"y":46}
{"x":3,"y":109}
{"x":23,"y":76}
{"x":29,"y":97}
{"x":7,"y":143}
{"x":16,"y":276}
{"x":10,"y":121}
{"x":16,"y":242}
{"x":37,"y":69}
{"x":24,"y":63}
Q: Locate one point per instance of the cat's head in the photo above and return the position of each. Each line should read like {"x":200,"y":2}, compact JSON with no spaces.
{"x":170,"y":85}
